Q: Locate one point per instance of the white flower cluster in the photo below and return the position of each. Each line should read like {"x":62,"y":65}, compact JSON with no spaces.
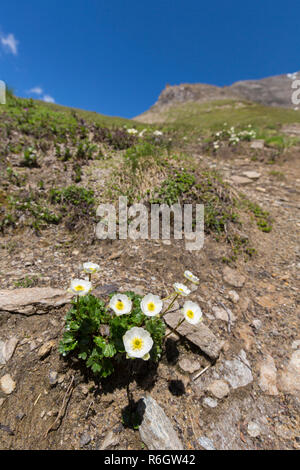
{"x":137,"y":341}
{"x":233,"y":136}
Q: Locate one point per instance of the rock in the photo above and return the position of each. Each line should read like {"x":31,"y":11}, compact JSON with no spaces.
{"x":85,"y":439}
{"x":268,"y":376}
{"x":257,"y":324}
{"x":257,"y":144}
{"x":240,"y":180}
{"x":289,"y":380}
{"x":222,"y":314}
{"x":7,"y":348}
{"x":218,"y":388}
{"x":53,"y":375}
{"x":233,"y":296}
{"x":36,"y":300}
{"x":233,"y":277}
{"x":296,"y":344}
{"x":110,"y":440}
{"x":238,"y":371}
{"x":2,"y":400}
{"x":156,"y":429}
{"x":253,"y":429}
{"x":253,"y":175}
{"x":206,"y":443}
{"x":106,"y":289}
{"x":200,"y":335}
{"x":45,"y":350}
{"x":7,"y":384}
{"x":210,"y":402}
{"x":188,"y":365}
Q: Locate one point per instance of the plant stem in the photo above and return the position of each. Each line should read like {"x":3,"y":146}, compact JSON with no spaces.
{"x":169,"y":306}
{"x":173,"y":330}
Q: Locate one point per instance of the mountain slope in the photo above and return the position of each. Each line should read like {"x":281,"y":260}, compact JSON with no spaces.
{"x":271,"y":91}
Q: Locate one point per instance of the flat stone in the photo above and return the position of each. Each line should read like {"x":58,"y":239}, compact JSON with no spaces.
{"x":206,"y":443}
{"x":7,"y":384}
{"x":156,"y":430}
{"x":219,"y":388}
{"x":268,"y":376}
{"x":45,"y":350}
{"x":240,"y":180}
{"x":200,"y":334}
{"x":253,"y":175}
{"x":36,"y":300}
{"x":233,"y":277}
{"x":289,"y":380}
{"x":188,"y":365}
{"x":238,"y":371}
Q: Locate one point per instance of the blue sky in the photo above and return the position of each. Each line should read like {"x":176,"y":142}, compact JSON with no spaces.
{"x":115,"y":57}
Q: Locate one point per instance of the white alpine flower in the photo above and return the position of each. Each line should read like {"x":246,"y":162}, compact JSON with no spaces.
{"x":151,"y":305}
{"x":157,"y":133}
{"x":90,"y":268}
{"x":192,"y":312}
{"x":137,"y":343}
{"x":181,"y":289}
{"x":80,"y":287}
{"x":191,"y":277}
{"x":132,"y":131}
{"x":120,"y":304}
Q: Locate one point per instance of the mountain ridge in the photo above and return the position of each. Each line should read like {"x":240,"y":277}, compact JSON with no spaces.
{"x":270,"y":91}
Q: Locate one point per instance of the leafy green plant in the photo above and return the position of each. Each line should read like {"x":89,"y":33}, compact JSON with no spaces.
{"x":94,"y":335}
{"x":29,"y":158}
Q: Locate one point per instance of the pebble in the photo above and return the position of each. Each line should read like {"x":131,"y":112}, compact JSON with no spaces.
{"x":233,"y":277}
{"x":219,"y":388}
{"x":210,"y":402}
{"x":188,"y":365}
{"x":7,"y":384}
{"x":85,"y":439}
{"x":257,"y":324}
{"x":53,"y":375}
{"x":253,"y":429}
{"x":268,"y":376}
{"x":289,"y":380}
{"x":206,"y":443}
{"x":233,"y":296}
{"x":45,"y":350}
{"x":253,"y":175}
{"x":296,"y":344}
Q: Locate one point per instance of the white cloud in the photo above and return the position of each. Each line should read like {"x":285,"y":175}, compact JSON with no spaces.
{"x":10,"y":43}
{"x":36,"y":90}
{"x":48,"y":99}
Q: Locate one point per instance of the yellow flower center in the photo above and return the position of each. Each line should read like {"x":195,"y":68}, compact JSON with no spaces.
{"x":120,"y":305}
{"x":79,"y":288}
{"x":151,"y":307}
{"x":137,"y":344}
{"x":190,"y":314}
